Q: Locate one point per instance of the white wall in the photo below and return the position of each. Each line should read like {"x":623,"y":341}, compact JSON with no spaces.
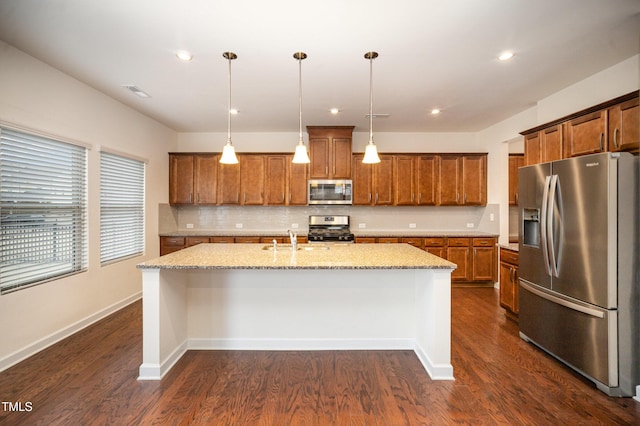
{"x":38,"y":97}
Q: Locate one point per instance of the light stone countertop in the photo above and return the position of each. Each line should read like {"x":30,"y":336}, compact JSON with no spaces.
{"x":510,"y":246}
{"x":356,"y":232}
{"x":309,"y":256}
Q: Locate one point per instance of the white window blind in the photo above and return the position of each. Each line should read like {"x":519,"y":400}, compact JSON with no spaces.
{"x":121,"y":207}
{"x":43,"y":209}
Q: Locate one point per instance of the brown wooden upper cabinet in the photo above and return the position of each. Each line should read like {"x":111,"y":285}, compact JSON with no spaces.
{"x":515,"y":162}
{"x":544,"y":145}
{"x":416,"y":180}
{"x":462,"y":180}
{"x":193,"y":178}
{"x":624,"y":126}
{"x":285,"y":182}
{"x":330,"y":152}
{"x":252,"y":177}
{"x":610,"y":126}
{"x":587,"y":134}
{"x":373,"y":184}
{"x":229,"y":183}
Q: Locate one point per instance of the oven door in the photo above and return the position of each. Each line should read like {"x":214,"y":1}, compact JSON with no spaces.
{"x":330,"y":191}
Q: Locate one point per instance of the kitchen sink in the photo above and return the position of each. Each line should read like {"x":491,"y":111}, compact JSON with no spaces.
{"x":283,"y":247}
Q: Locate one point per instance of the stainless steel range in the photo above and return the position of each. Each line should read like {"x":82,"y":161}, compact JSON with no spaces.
{"x":329,"y":228}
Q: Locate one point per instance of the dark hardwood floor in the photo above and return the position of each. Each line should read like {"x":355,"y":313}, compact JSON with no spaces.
{"x":90,"y":378}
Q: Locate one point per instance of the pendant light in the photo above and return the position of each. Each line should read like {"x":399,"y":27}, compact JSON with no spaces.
{"x":301,"y":156}
{"x":371,"y":152}
{"x":228,"y":152}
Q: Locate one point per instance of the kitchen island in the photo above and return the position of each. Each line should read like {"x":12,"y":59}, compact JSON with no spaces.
{"x":318,"y":297}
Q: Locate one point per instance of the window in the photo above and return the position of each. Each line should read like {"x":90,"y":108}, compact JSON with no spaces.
{"x":121,"y":207}
{"x":43,"y":209}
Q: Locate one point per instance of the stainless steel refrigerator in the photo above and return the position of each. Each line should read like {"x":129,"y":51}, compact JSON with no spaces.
{"x":579,"y":269}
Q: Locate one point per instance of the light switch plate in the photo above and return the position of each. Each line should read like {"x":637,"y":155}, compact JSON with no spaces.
{"x":239,"y":225}
{"x":362,"y":225}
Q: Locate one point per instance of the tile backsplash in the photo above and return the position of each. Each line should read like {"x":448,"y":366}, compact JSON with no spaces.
{"x":362,"y":218}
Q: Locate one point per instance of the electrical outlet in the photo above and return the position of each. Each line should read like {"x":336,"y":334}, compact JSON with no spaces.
{"x":412,"y":225}
{"x":294,"y":226}
{"x":362,"y":225}
{"x":470,"y":225}
{"x":492,"y":217}
{"x":238,"y":225}
{"x":189,"y":225}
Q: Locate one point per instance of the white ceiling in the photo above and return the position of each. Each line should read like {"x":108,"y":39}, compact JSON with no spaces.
{"x":433,"y":54}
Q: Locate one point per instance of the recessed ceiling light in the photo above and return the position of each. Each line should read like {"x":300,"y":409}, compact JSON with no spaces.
{"x":134,"y":89}
{"x":435,"y":111}
{"x":334,"y":111}
{"x":183,"y":55}
{"x":233,"y":111}
{"x":505,"y":56}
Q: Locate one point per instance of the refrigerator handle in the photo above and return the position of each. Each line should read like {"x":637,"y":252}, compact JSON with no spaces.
{"x":551,"y":206}
{"x":543,"y":225}
{"x":566,"y":303}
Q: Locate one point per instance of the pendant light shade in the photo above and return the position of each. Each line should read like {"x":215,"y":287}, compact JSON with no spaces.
{"x":371,"y":152}
{"x":228,"y":152}
{"x":301,"y":156}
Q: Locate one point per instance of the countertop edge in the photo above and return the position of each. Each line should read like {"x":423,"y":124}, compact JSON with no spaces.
{"x":141,"y":266}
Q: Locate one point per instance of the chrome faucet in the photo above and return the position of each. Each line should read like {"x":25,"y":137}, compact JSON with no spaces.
{"x":293,"y":238}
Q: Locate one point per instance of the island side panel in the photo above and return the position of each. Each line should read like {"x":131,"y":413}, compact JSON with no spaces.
{"x":301,"y":309}
{"x":433,"y":309}
{"x":164,"y":321}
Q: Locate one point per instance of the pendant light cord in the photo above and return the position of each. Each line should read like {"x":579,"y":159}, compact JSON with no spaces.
{"x":371,"y":99}
{"x":229,"y":104}
{"x":300,"y":92}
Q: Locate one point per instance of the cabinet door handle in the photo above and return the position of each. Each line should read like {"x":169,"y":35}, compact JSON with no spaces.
{"x":615,"y":138}
{"x":376,"y":198}
{"x":420,"y":198}
{"x":326,"y":170}
{"x":601,"y":137}
{"x":369,"y":197}
{"x":244,"y":198}
{"x":465,"y":198}
{"x":412,"y":198}
{"x":283,"y":197}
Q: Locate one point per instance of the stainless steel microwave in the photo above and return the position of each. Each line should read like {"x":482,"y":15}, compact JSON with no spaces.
{"x":330,"y":191}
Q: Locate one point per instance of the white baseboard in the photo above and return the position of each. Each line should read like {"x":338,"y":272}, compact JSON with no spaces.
{"x":637,"y":397}
{"x":300,"y":344}
{"x":59,"y":335}
{"x":157,"y":371}
{"x":436,"y":371}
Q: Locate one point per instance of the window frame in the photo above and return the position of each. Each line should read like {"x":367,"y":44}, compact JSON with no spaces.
{"x":43,"y":208}
{"x":118,"y":210}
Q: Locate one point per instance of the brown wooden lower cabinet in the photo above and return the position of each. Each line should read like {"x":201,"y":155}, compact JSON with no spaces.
{"x":171,"y":244}
{"x":509,"y":282}
{"x":476,"y":257}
